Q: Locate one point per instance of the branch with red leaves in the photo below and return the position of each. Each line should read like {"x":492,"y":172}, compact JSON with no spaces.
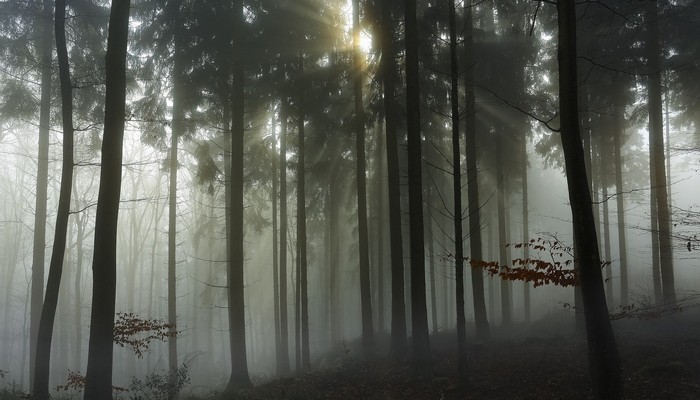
{"x":554,"y":266}
{"x":138,"y":333}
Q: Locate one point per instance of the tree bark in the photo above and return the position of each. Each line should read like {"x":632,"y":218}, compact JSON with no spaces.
{"x":621,"y":236}
{"x":419,"y":313}
{"x":236,"y":300}
{"x":39,"y":246}
{"x":98,"y":380}
{"x":457,"y":195}
{"x":506,"y":312}
{"x":604,"y":363}
{"x":399,"y":341}
{"x":656,"y":145}
{"x":283,"y":367}
{"x":178,"y":125}
{"x":48,"y":311}
{"x":301,"y":228}
{"x":275,"y":245}
{"x":475,"y":243}
{"x":360,"y":172}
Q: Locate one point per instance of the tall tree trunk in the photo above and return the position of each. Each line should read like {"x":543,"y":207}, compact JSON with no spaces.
{"x":419,"y":313}
{"x":506,"y":312}
{"x":178,"y":125}
{"x":360,"y":172}
{"x":380,"y":183}
{"x":475,"y":246}
{"x":526,"y":227}
{"x":78,"y":287}
{"x":283,"y":367}
{"x":275,"y":246}
{"x":39,"y":246}
{"x":236,"y":300}
{"x":457,"y":194}
{"x":606,"y":221}
{"x":656,"y":145}
{"x":621,"y":236}
{"x":48,"y":311}
{"x":388,"y":71}
{"x":301,"y":229}
{"x":98,"y":380}
{"x":604,"y":363}
{"x":431,"y":261}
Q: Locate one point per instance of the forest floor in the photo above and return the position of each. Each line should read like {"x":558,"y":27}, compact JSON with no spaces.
{"x":538,"y":361}
{"x":660,"y":360}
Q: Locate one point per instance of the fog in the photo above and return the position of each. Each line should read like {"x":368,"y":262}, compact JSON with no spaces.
{"x":308,"y":77}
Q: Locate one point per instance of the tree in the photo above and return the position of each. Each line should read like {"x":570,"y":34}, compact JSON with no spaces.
{"x":656,"y":146}
{"x":457,"y":192}
{"x":98,"y":379}
{"x":360,"y":172}
{"x":283,"y":352}
{"x":48,"y":312}
{"x":604,"y":363}
{"x":419,"y":312}
{"x":39,"y":249}
{"x":388,"y":72}
{"x":235,"y":280}
{"x":475,"y":248}
{"x":302,"y":265}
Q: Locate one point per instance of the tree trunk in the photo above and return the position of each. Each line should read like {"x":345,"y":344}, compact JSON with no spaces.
{"x":526,"y":228}
{"x":48,"y":311}
{"x":604,"y":363}
{"x":419,"y":313}
{"x":388,"y":71}
{"x":283,"y":367}
{"x":606,"y":221}
{"x":178,"y":125}
{"x":39,"y":246}
{"x":380,"y":183}
{"x":98,"y":380}
{"x":431,"y":261}
{"x":301,"y":230}
{"x":360,"y":172}
{"x":506,"y":314}
{"x":275,"y":247}
{"x":656,"y":145}
{"x":475,"y":245}
{"x":621,"y":236}
{"x":236,"y":300}
{"x":457,"y":195}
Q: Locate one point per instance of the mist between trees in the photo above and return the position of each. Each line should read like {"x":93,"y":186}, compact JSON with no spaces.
{"x":304,"y":181}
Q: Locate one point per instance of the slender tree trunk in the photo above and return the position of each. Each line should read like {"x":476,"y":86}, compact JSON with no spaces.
{"x":526,"y":228}
{"x":301,"y":230}
{"x":98,"y":380}
{"x":431,"y":260}
{"x":388,"y":71}
{"x":621,"y":236}
{"x":457,"y":195}
{"x":236,"y":300}
{"x":178,"y":122}
{"x":475,"y":245}
{"x":39,"y":246}
{"x":380,"y":221}
{"x":604,"y":361}
{"x":656,"y":145}
{"x":78,"y":287}
{"x":360,"y":171}
{"x":606,"y":222}
{"x":275,"y":247}
{"x":506,"y":313}
{"x":283,"y":367}
{"x":48,"y":311}
{"x":419,"y":313}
